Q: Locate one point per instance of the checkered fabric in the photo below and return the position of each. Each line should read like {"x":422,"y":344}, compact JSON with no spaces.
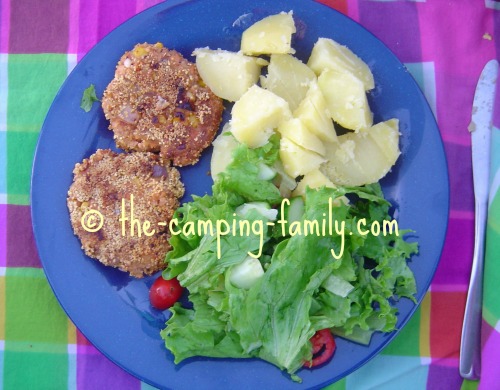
{"x":444,"y":44}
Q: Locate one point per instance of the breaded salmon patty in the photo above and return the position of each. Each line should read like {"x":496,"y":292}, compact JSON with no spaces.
{"x":157,"y":102}
{"x":100,"y":183}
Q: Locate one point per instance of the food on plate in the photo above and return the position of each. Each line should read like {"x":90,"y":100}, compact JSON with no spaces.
{"x":295,"y":130}
{"x":289,"y":78}
{"x":101,"y":183}
{"x":328,"y":54}
{"x":88,"y":98}
{"x":298,"y":160}
{"x":164,"y":293}
{"x":312,"y":179}
{"x":228,"y":74}
{"x":270,"y":306}
{"x":363,"y":157}
{"x":247,"y":273}
{"x":157,"y":102}
{"x":323,"y":345}
{"x":281,"y":292}
{"x":345,"y":99}
{"x":271,"y":35}
{"x":313,"y":112}
{"x":256,"y":114}
{"x":224,"y":146}
{"x":303,"y":109}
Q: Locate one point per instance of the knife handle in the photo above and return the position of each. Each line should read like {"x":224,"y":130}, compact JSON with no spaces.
{"x":470,"y":347}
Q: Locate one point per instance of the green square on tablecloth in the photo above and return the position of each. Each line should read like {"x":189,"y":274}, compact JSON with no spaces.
{"x":20,"y":150}
{"x":491,"y":303}
{"x":469,"y":385}
{"x":339,"y":385}
{"x":3,"y":162}
{"x":407,"y":342}
{"x":32,"y":312}
{"x":28,"y":103}
{"x":29,"y":370}
{"x":2,"y":305}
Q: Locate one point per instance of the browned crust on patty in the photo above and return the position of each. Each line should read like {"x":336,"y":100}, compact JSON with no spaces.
{"x":100,"y":183}
{"x":157,"y":102}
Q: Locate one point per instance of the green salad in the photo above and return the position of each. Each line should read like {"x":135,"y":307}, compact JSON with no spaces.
{"x":301,"y":289}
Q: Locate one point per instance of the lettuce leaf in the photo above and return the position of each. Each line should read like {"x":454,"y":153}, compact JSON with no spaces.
{"x":275,"y":318}
{"x":241,"y":175}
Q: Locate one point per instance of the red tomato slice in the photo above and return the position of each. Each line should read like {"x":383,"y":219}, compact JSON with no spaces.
{"x":323,"y":345}
{"x":164,"y":293}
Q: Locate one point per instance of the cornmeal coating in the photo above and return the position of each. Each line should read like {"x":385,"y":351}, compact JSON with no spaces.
{"x":100,"y":183}
{"x":157,"y":102}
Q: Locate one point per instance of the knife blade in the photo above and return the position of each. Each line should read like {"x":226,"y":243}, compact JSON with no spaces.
{"x":480,"y":128}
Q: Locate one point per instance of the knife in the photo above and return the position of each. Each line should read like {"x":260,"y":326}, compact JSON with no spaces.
{"x":480,"y":128}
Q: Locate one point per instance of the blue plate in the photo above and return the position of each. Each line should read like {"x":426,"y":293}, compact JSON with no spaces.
{"x":112,"y":309}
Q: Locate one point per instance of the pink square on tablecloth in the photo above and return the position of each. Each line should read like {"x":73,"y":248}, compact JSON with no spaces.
{"x":38,"y":26}
{"x":339,"y":5}
{"x":443,"y":377}
{"x":143,"y":4}
{"x":4,"y":25}
{"x":447,"y":311}
{"x":490,"y":359}
{"x":403,"y":36}
{"x":3,"y":235}
{"x":460,"y":27}
{"x":81,"y":339}
{"x":21,"y":249}
{"x":456,"y":259}
{"x":460,"y":174}
{"x":95,"y":371}
{"x":95,"y":20}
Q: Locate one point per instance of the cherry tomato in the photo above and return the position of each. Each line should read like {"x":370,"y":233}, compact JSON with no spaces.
{"x":164,"y":293}
{"x":323,"y":345}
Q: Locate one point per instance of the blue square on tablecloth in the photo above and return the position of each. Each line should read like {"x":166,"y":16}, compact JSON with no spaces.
{"x":4,"y":90}
{"x":2,"y":343}
{"x":3,"y":167}
{"x":424,"y":74}
{"x":390,"y":373}
{"x":145,"y":386}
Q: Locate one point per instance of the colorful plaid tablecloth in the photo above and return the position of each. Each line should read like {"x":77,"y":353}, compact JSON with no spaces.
{"x":444,"y":44}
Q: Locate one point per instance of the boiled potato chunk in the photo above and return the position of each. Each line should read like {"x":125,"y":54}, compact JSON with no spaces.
{"x":328,"y":54}
{"x":346,"y":99}
{"x":312,"y":111}
{"x":297,"y":160}
{"x":313,"y":179}
{"x":228,"y":74}
{"x":222,"y":154}
{"x":256,"y":114}
{"x":271,"y":35}
{"x":289,"y":78}
{"x":364,"y":157}
{"x":297,"y":132}
{"x":342,"y":167}
{"x":386,"y":136}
